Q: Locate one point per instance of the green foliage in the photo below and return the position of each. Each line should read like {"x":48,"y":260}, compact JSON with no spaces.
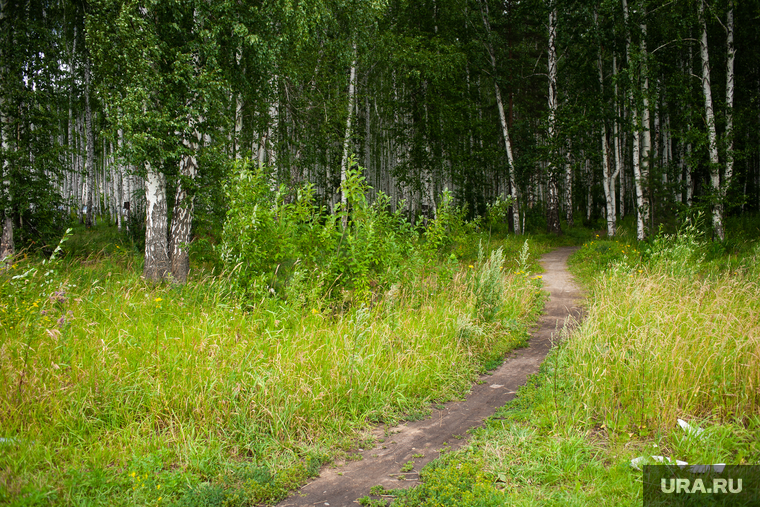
{"x":448,"y":227}
{"x":273,"y":246}
{"x":497,"y":214}
{"x":488,"y":284}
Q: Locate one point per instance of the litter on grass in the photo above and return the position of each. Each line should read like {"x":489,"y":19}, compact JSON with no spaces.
{"x":691,"y":431}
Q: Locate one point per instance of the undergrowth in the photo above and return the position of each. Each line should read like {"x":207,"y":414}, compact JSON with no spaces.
{"x":114,"y":391}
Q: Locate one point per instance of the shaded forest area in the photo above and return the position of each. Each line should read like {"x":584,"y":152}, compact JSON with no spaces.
{"x":562,"y":111}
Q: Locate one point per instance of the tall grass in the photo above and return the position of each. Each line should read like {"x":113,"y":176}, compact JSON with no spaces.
{"x":668,"y":338}
{"x":655,"y":347}
{"x":154,"y":388}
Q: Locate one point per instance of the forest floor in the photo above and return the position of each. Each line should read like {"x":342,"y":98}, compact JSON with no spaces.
{"x":401,"y":451}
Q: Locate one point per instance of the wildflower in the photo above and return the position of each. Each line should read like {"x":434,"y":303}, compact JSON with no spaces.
{"x":158,"y":486}
{"x":471,"y":266}
{"x":61,"y":321}
{"x":58,"y":296}
{"x":314,"y":311}
{"x":158,"y":300}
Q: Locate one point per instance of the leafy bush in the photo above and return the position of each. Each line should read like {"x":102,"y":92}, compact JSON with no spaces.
{"x":447,"y":227}
{"x":296,"y":250}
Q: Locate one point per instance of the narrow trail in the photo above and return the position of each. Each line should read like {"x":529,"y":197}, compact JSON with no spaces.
{"x":342,"y":485}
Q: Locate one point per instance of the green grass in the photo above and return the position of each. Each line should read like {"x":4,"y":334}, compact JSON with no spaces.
{"x":671,"y":331}
{"x":117,"y":392}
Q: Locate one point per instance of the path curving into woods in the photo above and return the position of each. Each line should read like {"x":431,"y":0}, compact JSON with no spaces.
{"x":342,"y":485}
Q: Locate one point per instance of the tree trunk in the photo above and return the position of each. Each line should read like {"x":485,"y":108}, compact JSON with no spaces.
{"x":717,"y":218}
{"x":552,"y":221}
{"x":347,"y":135}
{"x":90,"y":150}
{"x":646,"y":133}
{"x":608,"y":178}
{"x":503,"y":119}
{"x":616,"y":142}
{"x":638,"y":175}
{"x":182,"y":218}
{"x":729,"y":102}
{"x":7,"y":247}
{"x":156,"y":251}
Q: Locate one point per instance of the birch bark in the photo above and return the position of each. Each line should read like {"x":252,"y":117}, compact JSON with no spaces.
{"x":553,"y":223}
{"x":347,"y":135}
{"x":156,"y":251}
{"x":731,"y":54}
{"x":638,"y":176}
{"x":717,"y":216}
{"x":182,"y":217}
{"x":7,"y":247}
{"x":90,"y":147}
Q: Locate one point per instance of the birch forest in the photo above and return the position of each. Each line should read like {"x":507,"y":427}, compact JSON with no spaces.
{"x":133,"y":113}
{"x":281,"y":252}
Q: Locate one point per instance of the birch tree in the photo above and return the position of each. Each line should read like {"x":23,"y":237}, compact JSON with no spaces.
{"x":712,"y":136}
{"x":484,"y":13}
{"x":553,"y":186}
{"x":639,"y":175}
{"x":347,"y":135}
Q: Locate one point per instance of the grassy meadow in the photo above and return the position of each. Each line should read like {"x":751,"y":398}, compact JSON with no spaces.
{"x":671,"y":331}
{"x":114,"y":391}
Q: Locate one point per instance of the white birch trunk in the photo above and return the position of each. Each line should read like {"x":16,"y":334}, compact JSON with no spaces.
{"x":608,"y":178}
{"x":616,"y":143}
{"x":156,"y":250}
{"x":503,"y":120}
{"x":717,"y":218}
{"x":120,"y":184}
{"x":7,"y":247}
{"x":347,"y":135}
{"x":182,"y":218}
{"x":646,"y":133}
{"x":90,"y":146}
{"x":553,"y":223}
{"x":568,"y":185}
{"x":639,"y":181}
{"x":731,"y":54}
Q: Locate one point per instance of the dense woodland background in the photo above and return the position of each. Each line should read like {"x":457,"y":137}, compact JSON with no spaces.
{"x":556,"y":112}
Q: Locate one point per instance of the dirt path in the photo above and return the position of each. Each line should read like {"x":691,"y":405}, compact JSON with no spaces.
{"x":340,"y":486}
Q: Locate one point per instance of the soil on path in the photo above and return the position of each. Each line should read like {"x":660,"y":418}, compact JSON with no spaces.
{"x":342,"y":485}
